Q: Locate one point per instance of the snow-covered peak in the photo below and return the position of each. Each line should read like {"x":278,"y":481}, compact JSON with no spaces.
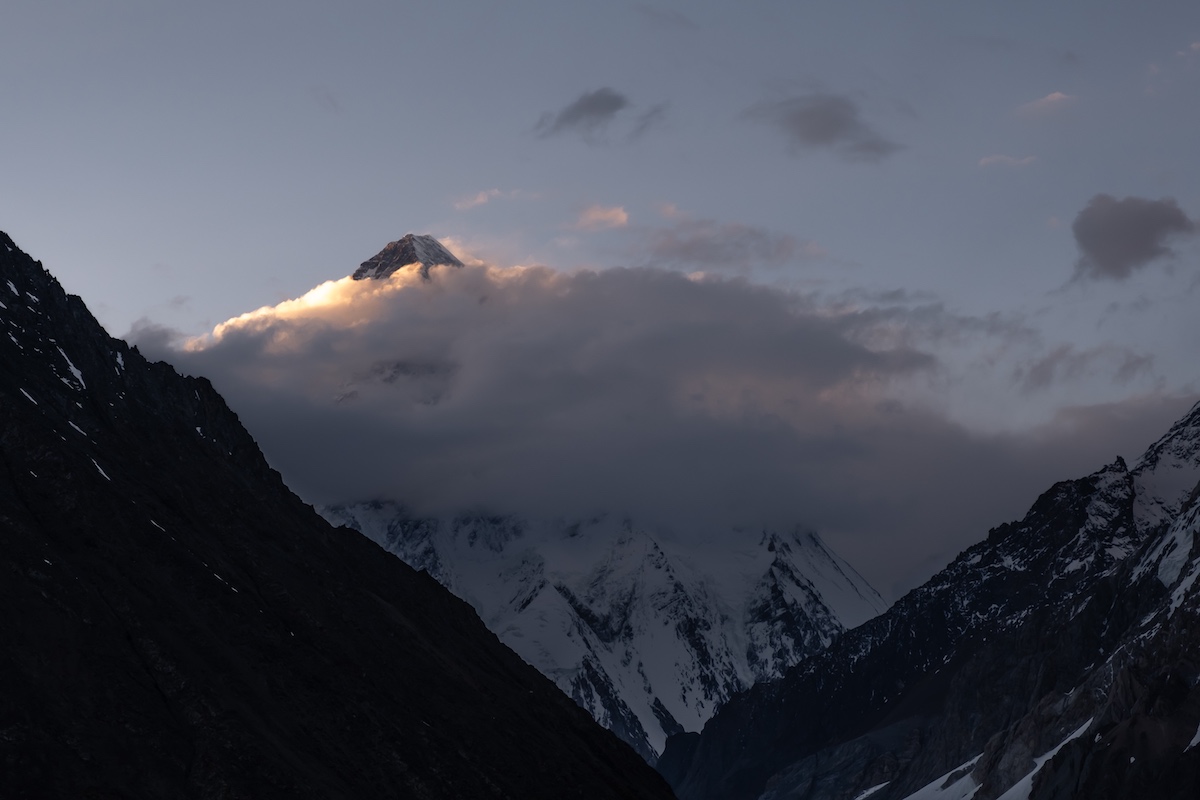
{"x":1167,"y":473}
{"x":410,"y":249}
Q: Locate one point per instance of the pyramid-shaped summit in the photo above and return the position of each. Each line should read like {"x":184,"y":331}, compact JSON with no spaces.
{"x":411,"y":249}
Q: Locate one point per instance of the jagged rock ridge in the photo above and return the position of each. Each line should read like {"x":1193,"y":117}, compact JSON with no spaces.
{"x":647,"y":631}
{"x":175,"y":623}
{"x":1057,"y":658}
{"x":410,"y":249}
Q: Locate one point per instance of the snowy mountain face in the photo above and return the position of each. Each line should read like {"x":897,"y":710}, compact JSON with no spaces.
{"x":648,"y":632}
{"x":1057,"y":658}
{"x":409,"y":249}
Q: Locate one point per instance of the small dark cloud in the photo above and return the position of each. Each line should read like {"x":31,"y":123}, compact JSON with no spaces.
{"x":588,"y":115}
{"x":667,"y":18}
{"x":1117,"y":237}
{"x":825,"y":121}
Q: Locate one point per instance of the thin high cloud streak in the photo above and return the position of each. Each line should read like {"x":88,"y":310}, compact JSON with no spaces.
{"x":1006,"y":161}
{"x":695,"y":404}
{"x":1118,"y":237}
{"x":825,"y":121}
{"x":1055,"y":101}
{"x":1067,"y":363}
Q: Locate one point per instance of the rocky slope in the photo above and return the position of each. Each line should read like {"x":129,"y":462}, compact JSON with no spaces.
{"x":175,"y":623}
{"x":648,"y":631}
{"x":1058,"y":658}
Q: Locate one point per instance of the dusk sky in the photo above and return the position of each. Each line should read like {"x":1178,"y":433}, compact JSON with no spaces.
{"x":886,"y":269}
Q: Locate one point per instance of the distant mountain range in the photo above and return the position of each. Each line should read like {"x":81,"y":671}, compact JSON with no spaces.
{"x":649,"y":632}
{"x":175,"y":623}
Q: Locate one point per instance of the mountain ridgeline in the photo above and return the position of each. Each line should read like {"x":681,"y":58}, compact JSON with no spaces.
{"x":176,"y":623}
{"x":1059,"y":658}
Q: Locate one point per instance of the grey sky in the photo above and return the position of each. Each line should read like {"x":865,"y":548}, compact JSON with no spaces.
{"x":933,"y":168}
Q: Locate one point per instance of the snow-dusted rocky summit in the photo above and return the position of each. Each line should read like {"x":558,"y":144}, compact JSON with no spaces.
{"x":647,"y":629}
{"x":408,"y":249}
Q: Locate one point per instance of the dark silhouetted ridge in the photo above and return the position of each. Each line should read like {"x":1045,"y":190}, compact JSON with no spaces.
{"x":175,"y":623}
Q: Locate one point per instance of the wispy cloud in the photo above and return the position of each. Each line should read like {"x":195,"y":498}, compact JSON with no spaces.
{"x":587,"y":115}
{"x":1055,"y":101}
{"x":648,"y":120}
{"x":477,"y":199}
{"x":707,"y":244}
{"x":1067,"y":363}
{"x":485,"y":196}
{"x":1006,"y":161}
{"x":666,"y":18}
{"x":591,"y":116}
{"x":595,"y":218}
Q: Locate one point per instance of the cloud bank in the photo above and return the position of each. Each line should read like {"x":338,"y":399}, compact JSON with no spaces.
{"x":696,"y":404}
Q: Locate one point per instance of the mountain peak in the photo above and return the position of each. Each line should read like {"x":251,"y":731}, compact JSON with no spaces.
{"x":410,"y":249}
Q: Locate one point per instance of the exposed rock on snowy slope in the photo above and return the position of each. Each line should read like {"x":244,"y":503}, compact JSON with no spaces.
{"x":175,"y":623}
{"x":1058,"y":658}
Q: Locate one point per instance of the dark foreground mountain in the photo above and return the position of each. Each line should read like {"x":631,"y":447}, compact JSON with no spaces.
{"x":175,"y":623}
{"x":1060,"y":658}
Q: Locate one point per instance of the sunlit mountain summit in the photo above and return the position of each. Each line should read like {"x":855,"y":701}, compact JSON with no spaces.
{"x":409,"y":249}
